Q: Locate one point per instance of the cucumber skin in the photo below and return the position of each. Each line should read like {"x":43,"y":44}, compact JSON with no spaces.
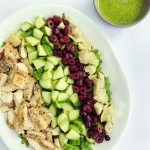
{"x":74,"y":142}
{"x":70,"y":147}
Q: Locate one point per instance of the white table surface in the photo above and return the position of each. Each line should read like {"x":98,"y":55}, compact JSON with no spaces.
{"x":132,"y":46}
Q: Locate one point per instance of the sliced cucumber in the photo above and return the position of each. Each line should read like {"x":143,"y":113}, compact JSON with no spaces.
{"x":54,"y":95}
{"x":86,"y":146}
{"x":77,"y":129}
{"x":73,"y":115}
{"x":66,"y":71}
{"x":53,"y":59}
{"x":71,"y":147}
{"x":57,"y":105}
{"x":46,"y":97}
{"x":32,"y":56}
{"x":21,"y":34}
{"x":64,"y":78}
{"x":74,"y":142}
{"x":41,"y":51}
{"x":58,"y":73}
{"x":90,"y":140}
{"x":48,"y":49}
{"x":47,"y":75}
{"x":70,"y":81}
{"x":62,"y":97}
{"x":48,"y":66}
{"x":52,"y":109}
{"x":84,"y":131}
{"x":39,"y":22}
{"x":30,"y":48}
{"x":37,"y":33}
{"x":61,"y":85}
{"x":46,"y":84}
{"x":62,"y":118}
{"x":54,"y":83}
{"x":46,"y":41}
{"x":54,"y":123}
{"x":63,"y":140}
{"x":32,"y":41}
{"x":67,"y":107}
{"x":69,"y":90}
{"x":73,"y":135}
{"x":26,"y":26}
{"x":38,"y":63}
{"x":74,"y":99}
{"x":47,"y":31}
{"x":64,"y":126}
{"x":14,"y":40}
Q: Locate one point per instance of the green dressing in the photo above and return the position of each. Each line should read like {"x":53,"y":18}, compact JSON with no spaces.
{"x":121,"y":12}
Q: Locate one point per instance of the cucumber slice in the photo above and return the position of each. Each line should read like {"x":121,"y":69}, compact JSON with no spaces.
{"x":32,"y":41}
{"x":62,"y":97}
{"x":47,"y":75}
{"x":47,"y":31}
{"x":37,"y":33}
{"x":46,"y":41}
{"x":53,"y":59}
{"x":61,"y":85}
{"x":77,"y":129}
{"x":66,"y":71}
{"x":30,"y":48}
{"x":46,"y":84}
{"x":74,"y":99}
{"x":54,"y":123}
{"x":39,"y":22}
{"x":70,"y":81}
{"x":26,"y":26}
{"x":62,"y":118}
{"x":21,"y":34}
{"x":74,"y":142}
{"x":63,"y":140}
{"x":32,"y":56}
{"x":64,"y":78}
{"x":73,"y":135}
{"x":91,"y":141}
{"x":52,"y":109}
{"x":48,"y":66}
{"x":71,"y":147}
{"x":41,"y":51}
{"x":38,"y":63}
{"x":84,"y":131}
{"x":86,"y":146}
{"x":58,"y":105}
{"x":58,"y":73}
{"x":67,"y":107}
{"x":64,"y":126}
{"x":73,"y":115}
{"x":54,"y":95}
{"x":14,"y":40}
{"x":46,"y":97}
{"x":48,"y":49}
{"x":69,"y":90}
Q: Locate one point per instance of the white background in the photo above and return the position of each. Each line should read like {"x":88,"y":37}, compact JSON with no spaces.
{"x":132,"y":46}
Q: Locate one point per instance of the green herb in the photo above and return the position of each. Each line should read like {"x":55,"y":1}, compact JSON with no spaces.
{"x":37,"y":74}
{"x":75,"y":43}
{"x":63,"y":16}
{"x":3,"y":44}
{"x":108,"y":90}
{"x":63,"y":47}
{"x":24,"y":141}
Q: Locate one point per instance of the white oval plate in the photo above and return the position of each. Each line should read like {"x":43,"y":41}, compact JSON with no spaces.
{"x":111,"y":68}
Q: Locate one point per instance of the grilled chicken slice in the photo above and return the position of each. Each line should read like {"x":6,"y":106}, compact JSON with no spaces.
{"x":35,"y":135}
{"x":11,"y":118}
{"x":18,"y":97}
{"x":3,"y":79}
{"x":22,"y":50}
{"x":6,"y":97}
{"x":22,"y":69}
{"x":4,"y":108}
{"x":34,"y":113}
{"x":48,"y":145}
{"x":26,"y":62}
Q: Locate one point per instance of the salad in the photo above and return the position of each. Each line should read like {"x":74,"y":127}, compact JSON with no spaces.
{"x":52,"y":87}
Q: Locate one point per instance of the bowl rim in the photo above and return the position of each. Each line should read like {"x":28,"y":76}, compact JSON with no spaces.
{"x":123,"y":26}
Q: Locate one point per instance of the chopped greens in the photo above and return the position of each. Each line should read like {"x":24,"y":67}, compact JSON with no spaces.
{"x":37,"y":74}
{"x":108,"y":90}
{"x":24,"y":141}
{"x":86,"y":145}
{"x":3,"y":44}
{"x":63,"y":16}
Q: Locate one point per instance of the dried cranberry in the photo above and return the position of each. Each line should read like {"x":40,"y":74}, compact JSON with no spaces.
{"x":73,"y":68}
{"x":81,"y":74}
{"x":59,"y":36}
{"x":58,"y":53}
{"x":57,"y":45}
{"x":65,"y":40}
{"x":65,"y":55}
{"x":79,"y":82}
{"x":88,"y":118}
{"x":88,"y":82}
{"x":87,"y":108}
{"x":53,"y":38}
{"x":94,"y":120}
{"x":82,"y":97}
{"x":66,"y":22}
{"x":64,"y":61}
{"x":57,"y":19}
{"x":93,"y":101}
{"x":67,"y":30}
{"x":56,"y":31}
{"x":88,"y":124}
{"x":98,"y":129}
{"x":83,"y":90}
{"x":50,"y":23}
{"x":75,"y":89}
{"x":80,"y":66}
{"x":100,"y":139}
{"x":70,"y":48}
{"x":107,"y":138}
{"x":71,"y":61}
{"x":89,"y":97}
{"x":85,"y":74}
{"x":1,"y":56}
{"x":83,"y":113}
